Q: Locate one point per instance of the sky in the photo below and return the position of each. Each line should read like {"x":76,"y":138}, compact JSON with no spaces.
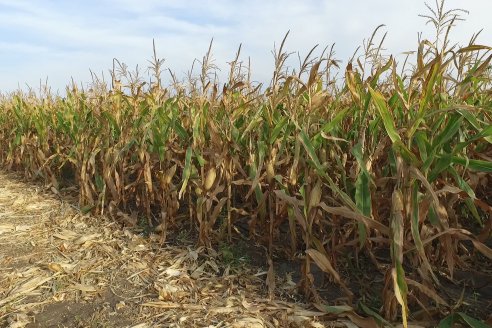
{"x":59,"y":40}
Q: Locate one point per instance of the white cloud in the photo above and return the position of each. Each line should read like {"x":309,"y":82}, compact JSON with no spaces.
{"x":64,"y":39}
{"x":22,"y":47}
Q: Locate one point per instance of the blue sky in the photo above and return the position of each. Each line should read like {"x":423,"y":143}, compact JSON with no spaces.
{"x":64,"y":39}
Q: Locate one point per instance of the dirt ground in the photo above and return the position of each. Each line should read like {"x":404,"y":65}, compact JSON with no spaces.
{"x":59,"y":268}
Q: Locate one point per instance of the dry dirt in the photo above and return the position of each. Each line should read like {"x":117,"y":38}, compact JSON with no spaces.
{"x":59,"y":268}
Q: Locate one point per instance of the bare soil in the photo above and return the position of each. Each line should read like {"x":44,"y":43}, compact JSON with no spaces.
{"x":59,"y":268}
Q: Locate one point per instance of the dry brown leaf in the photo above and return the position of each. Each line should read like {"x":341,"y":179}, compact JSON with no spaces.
{"x":362,"y":322}
{"x":171,"y":272}
{"x":142,"y":325}
{"x":18,"y":320}
{"x":65,"y":235}
{"x":6,"y":228}
{"x":348,"y":324}
{"x":417,"y":174}
{"x":308,"y":313}
{"x":23,"y":228}
{"x":170,"y":292}
{"x":482,"y":248}
{"x":323,"y":263}
{"x":225,"y":309}
{"x":427,"y":291}
{"x":348,"y":213}
{"x":55,"y":267}
{"x":172,"y":305}
{"x":26,"y":287}
{"x":83,"y":239}
{"x":248,"y":323}
{"x":298,"y":320}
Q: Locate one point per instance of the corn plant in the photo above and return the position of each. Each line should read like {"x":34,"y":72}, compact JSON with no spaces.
{"x":386,"y":159}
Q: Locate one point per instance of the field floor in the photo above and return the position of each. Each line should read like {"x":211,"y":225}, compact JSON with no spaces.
{"x":59,"y":268}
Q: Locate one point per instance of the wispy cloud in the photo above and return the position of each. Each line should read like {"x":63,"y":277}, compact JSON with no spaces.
{"x":63,"y":39}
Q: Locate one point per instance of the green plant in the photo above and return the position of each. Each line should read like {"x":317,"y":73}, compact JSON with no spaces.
{"x":381,"y":161}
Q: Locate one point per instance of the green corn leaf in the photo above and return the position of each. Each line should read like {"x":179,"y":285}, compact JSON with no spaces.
{"x":472,"y":322}
{"x":321,"y":171}
{"x":470,"y":204}
{"x":186,"y":171}
{"x":449,"y":132}
{"x":385,"y":114}
{"x":473,"y":164}
{"x":328,"y":127}
{"x":357,"y":152}
{"x":363,"y":202}
{"x":431,"y":80}
{"x":311,"y":152}
{"x":450,"y":320}
{"x":422,"y":144}
{"x":362,"y":193}
{"x":441,"y":165}
{"x":401,"y":291}
{"x":180,"y":131}
{"x":87,"y":208}
{"x":277,"y":129}
{"x":433,"y":218}
{"x":389,"y":126}
{"x":462,"y":183}
{"x":416,"y":232}
{"x":466,"y":113}
{"x":379,"y":319}
{"x":447,"y":322}
{"x":486,"y":133}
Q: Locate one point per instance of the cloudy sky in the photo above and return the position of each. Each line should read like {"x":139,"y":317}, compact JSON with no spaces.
{"x":61,"y":39}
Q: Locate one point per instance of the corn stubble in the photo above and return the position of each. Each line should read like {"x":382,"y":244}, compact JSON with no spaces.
{"x":387,"y":160}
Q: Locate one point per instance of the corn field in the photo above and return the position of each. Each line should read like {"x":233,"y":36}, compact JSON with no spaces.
{"x":323,"y":165}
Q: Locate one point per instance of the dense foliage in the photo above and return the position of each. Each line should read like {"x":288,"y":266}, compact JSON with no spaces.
{"x":393,"y":157}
